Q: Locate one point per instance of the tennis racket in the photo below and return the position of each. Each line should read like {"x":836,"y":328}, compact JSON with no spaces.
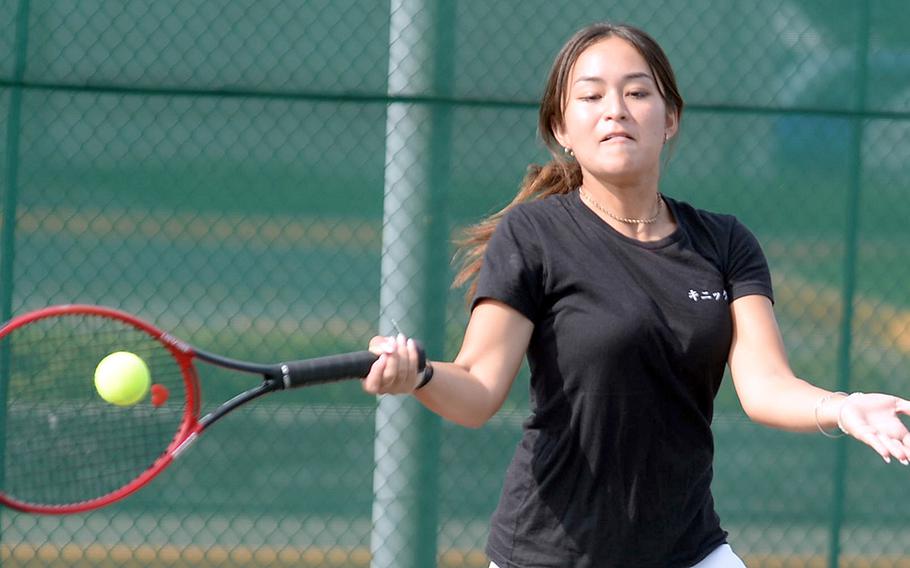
{"x":67,"y":450}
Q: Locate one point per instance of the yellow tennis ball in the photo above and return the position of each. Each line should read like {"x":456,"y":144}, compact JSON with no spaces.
{"x":122,"y":378}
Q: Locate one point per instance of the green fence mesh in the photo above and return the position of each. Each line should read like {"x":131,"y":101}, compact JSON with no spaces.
{"x":229,"y":170}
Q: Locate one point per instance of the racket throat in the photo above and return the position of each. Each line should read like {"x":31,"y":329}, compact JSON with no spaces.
{"x":176,"y":452}
{"x":266,"y":387}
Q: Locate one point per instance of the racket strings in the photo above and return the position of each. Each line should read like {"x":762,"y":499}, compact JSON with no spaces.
{"x":64,"y":443}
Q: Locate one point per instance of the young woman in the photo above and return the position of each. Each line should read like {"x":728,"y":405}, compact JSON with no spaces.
{"x":628,"y":304}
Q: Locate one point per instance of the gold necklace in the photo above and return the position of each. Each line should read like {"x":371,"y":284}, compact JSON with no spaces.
{"x":628,"y":220}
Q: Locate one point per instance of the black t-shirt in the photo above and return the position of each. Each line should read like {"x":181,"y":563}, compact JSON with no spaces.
{"x":629,"y":345}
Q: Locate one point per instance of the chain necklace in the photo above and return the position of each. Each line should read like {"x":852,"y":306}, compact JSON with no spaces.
{"x":628,"y":220}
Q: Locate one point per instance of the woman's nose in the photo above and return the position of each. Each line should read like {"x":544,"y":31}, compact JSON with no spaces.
{"x":614,"y":108}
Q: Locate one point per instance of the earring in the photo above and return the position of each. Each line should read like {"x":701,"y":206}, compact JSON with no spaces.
{"x":568,"y":151}
{"x":666,"y":136}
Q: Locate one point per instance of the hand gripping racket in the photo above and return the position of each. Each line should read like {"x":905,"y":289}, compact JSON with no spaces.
{"x":67,"y":450}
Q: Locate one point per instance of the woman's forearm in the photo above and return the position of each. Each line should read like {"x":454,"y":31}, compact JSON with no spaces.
{"x":459,"y":396}
{"x":791,"y":403}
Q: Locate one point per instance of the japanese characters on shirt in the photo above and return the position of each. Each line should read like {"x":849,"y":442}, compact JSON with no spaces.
{"x":705,"y":295}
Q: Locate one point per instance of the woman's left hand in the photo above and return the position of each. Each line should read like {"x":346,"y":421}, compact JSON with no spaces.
{"x":875,"y":419}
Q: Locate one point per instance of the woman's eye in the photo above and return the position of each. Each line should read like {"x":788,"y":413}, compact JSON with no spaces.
{"x":638,"y":94}
{"x":590,"y":97}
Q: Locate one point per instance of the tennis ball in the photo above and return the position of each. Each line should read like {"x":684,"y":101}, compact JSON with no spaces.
{"x":122,"y":378}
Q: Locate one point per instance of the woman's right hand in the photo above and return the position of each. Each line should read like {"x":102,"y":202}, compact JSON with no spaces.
{"x":395,"y":371}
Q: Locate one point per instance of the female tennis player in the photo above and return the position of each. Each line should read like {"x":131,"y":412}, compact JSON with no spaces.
{"x":628,"y":304}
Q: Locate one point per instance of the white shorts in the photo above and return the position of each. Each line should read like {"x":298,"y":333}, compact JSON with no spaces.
{"x":722,"y":557}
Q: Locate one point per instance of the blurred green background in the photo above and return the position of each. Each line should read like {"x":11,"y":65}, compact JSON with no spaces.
{"x":218,"y":168}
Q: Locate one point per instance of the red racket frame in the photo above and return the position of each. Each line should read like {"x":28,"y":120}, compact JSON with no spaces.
{"x":189,"y":425}
{"x":276,"y":376}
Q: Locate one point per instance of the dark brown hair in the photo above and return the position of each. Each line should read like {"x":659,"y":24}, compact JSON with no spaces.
{"x":563,"y":174}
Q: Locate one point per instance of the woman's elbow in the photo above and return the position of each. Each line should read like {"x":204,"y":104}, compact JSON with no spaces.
{"x":476,"y":419}
{"x":753,"y":402}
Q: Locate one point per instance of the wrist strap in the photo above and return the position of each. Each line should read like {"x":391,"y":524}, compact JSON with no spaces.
{"x":427,"y":376}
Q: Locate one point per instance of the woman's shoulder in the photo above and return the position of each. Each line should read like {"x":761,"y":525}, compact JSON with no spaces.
{"x":719,"y":235}
{"x":698,"y":218}
{"x":543,"y":209}
{"x":544,"y":218}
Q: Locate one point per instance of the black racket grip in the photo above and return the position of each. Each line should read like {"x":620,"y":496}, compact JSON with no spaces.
{"x":333,"y":368}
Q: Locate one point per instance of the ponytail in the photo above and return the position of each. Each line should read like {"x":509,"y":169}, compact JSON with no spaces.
{"x":558,"y":177}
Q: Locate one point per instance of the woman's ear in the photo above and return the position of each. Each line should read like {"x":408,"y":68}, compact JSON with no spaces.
{"x":672,"y":126}
{"x":560,"y":134}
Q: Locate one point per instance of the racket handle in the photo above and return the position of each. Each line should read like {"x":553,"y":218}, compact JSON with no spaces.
{"x":332,"y":368}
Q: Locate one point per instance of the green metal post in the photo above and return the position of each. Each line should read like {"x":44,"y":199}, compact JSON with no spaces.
{"x":10,"y":196}
{"x":9,"y":205}
{"x":414,"y":277}
{"x":851,"y":246}
{"x":437,"y":275}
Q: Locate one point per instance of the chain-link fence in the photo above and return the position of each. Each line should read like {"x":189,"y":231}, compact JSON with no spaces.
{"x":277,"y":179}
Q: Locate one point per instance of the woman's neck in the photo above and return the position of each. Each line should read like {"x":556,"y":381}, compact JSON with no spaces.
{"x":637,"y":212}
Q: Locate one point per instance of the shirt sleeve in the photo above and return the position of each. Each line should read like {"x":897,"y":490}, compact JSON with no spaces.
{"x":512,"y":270}
{"x":747,"y":268}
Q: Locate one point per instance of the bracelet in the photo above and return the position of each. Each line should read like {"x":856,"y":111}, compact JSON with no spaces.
{"x":840,"y":414}
{"x":819,"y":404}
{"x":427,"y":376}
